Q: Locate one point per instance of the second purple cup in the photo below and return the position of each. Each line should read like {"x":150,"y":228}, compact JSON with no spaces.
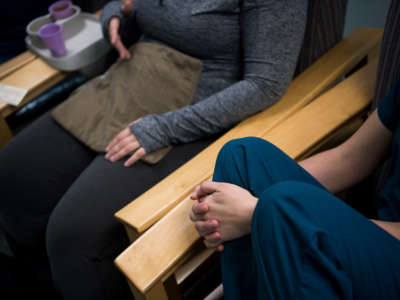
{"x":61,"y":9}
{"x":51,"y":35}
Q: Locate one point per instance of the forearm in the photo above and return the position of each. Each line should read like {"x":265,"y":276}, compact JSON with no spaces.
{"x":219,"y":111}
{"x":129,"y":29}
{"x":331,"y":170}
{"x":349,"y":163}
{"x":112,"y":9}
{"x":392,"y":228}
{"x":271,"y":34}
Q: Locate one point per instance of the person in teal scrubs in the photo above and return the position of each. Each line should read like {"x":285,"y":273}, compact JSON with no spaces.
{"x":284,"y":235}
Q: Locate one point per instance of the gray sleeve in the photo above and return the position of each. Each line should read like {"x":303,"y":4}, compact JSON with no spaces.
{"x":128,"y":28}
{"x":271,"y":37}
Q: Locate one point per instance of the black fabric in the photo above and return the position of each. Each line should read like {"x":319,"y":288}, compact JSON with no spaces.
{"x":59,"y":197}
{"x":11,"y":285}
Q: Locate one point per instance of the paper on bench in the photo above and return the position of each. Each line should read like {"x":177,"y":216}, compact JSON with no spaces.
{"x":12,"y":95}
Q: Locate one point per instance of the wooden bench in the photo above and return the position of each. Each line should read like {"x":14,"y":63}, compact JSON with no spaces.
{"x":28,"y":72}
{"x":164,"y":252}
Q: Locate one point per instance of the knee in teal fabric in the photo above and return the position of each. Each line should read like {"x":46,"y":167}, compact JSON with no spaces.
{"x":255,"y":164}
{"x":292,"y":251}
{"x":236,"y":151}
{"x":235,"y":156}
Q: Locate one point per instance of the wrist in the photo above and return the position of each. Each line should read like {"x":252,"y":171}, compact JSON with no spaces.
{"x":251,"y":206}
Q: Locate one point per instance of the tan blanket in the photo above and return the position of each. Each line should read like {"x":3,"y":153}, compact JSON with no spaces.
{"x":155,"y":80}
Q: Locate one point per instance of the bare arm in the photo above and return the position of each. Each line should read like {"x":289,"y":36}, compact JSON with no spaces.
{"x":350,"y":162}
{"x":392,"y":228}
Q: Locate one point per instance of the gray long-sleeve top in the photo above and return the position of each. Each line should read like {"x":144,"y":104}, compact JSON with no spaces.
{"x":249,"y":50}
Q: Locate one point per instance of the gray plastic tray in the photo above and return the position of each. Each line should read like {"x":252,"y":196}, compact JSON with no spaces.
{"x":83,"y":39}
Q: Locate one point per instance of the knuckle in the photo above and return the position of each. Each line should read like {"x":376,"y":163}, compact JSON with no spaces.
{"x":123,"y":151}
{"x":197,"y":226}
{"x":195,"y":208}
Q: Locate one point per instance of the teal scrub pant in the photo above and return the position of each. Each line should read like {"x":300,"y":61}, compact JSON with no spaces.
{"x":305,"y":243}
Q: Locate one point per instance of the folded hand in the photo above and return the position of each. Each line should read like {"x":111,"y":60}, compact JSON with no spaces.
{"x":223,"y":212}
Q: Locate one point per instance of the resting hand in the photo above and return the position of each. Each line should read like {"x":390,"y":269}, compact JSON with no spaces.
{"x":124,"y":143}
{"x":113,"y":29}
{"x":222,"y":213}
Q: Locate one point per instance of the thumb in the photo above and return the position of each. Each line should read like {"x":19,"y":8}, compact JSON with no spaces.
{"x":207,"y":187}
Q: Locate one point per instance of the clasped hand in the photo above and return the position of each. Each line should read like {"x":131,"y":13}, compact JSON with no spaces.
{"x":222,"y":212}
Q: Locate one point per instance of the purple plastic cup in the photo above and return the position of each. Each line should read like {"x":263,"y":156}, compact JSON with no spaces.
{"x":51,"y":35}
{"x":61,"y":9}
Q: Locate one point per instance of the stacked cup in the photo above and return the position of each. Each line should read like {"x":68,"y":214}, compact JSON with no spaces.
{"x":51,"y":34}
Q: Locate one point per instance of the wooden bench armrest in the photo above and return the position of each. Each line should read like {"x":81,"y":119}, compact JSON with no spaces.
{"x":35,"y":76}
{"x":166,"y":245}
{"x":140,"y":214}
{"x":15,"y":63}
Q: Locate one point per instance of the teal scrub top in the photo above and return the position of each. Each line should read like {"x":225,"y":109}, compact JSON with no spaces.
{"x":389,"y":114}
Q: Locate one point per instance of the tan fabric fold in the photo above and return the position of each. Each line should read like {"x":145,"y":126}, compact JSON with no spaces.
{"x":155,"y":80}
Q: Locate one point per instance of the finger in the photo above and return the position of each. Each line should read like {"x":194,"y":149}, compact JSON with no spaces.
{"x":195,"y":195}
{"x":128,"y":148}
{"x":123,"y":52}
{"x":140,"y":153}
{"x":115,"y":39}
{"x":214,"y":237}
{"x":127,"y":142}
{"x":200,"y":208}
{"x":197,"y":217}
{"x":120,"y":136}
{"x":207,"y":187}
{"x":199,"y":193}
{"x":194,"y":217}
{"x":211,"y":245}
{"x":220,"y":248}
{"x":206,"y":227}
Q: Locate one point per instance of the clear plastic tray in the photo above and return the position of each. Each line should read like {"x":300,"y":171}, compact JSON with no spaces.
{"x":83,"y":39}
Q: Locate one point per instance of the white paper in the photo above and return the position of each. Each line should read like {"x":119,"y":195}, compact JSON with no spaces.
{"x":12,"y":95}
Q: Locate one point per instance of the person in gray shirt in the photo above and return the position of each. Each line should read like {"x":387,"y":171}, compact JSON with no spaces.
{"x":58,"y":197}
{"x":249,"y":51}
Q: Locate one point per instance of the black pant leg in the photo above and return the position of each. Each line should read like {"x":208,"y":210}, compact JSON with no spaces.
{"x":36,"y":168}
{"x":84,"y":238}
